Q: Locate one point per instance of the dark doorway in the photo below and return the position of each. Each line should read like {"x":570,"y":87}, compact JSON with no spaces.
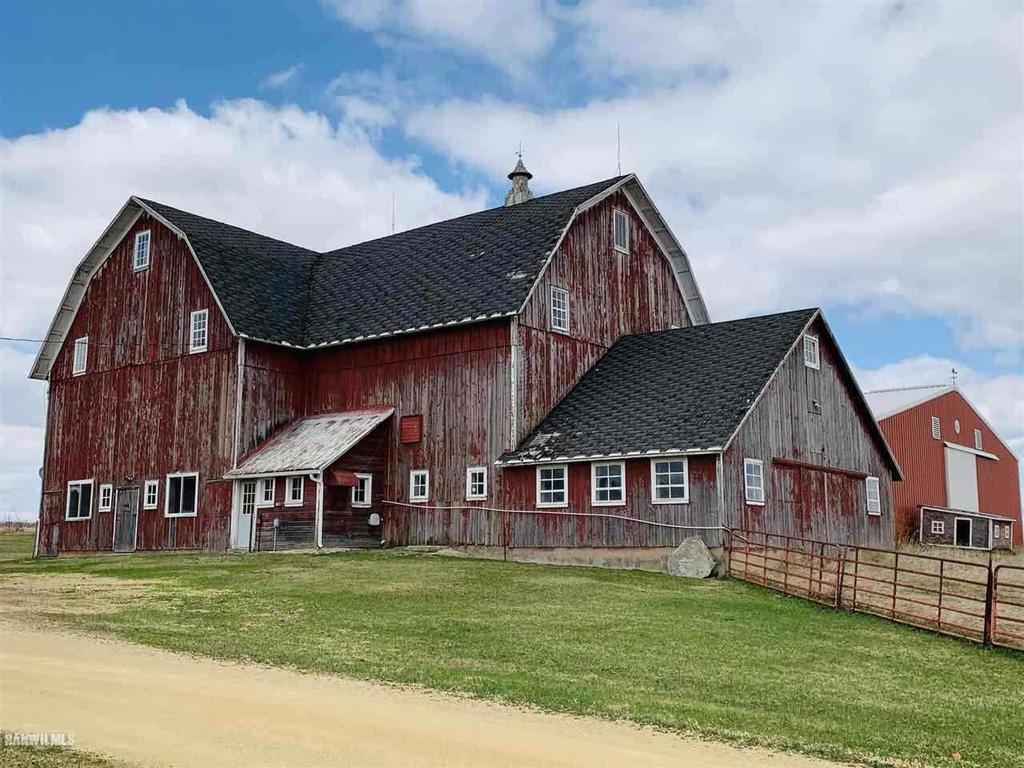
{"x":964,"y":527}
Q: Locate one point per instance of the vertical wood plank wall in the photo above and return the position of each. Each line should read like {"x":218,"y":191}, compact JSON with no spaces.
{"x":922,"y":459}
{"x":145,"y":407}
{"x":799,"y":501}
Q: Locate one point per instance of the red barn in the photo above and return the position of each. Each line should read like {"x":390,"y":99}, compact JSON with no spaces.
{"x":962,"y":483}
{"x":540,"y":374}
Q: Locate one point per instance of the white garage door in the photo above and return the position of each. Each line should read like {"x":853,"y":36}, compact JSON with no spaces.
{"x":961,"y":480}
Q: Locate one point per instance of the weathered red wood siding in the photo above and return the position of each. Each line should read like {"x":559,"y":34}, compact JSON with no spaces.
{"x":922,"y":459}
{"x":145,"y":407}
{"x":273,"y":387}
{"x":800,"y":500}
{"x":611,"y":294}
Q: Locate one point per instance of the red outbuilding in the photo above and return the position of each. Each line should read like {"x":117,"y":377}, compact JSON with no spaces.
{"x":961,"y":485}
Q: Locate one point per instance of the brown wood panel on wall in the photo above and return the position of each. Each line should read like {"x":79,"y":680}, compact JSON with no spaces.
{"x":835,"y":433}
{"x":145,"y":407}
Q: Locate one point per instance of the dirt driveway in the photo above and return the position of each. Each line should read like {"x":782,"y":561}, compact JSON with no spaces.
{"x":156,"y":708}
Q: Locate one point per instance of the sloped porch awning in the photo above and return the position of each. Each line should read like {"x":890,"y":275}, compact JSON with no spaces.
{"x":312,"y":444}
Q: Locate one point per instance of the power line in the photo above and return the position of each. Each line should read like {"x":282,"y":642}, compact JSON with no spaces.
{"x":112,"y":344}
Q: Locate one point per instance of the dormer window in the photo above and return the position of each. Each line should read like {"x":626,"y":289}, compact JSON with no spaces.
{"x":199,"y":331}
{"x":81,"y":356}
{"x":141,"y":251}
{"x":620,"y":230}
{"x":812,"y":352}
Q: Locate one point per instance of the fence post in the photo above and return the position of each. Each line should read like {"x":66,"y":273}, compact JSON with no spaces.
{"x":840,"y":576}
{"x":990,"y":595}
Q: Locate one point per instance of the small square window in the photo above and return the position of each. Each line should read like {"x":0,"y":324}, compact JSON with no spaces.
{"x":608,"y":483}
{"x":296,"y":490}
{"x":977,"y":439}
{"x":938,"y":526}
{"x":559,"y":310}
{"x":476,"y":483}
{"x":79,"y":504}
{"x":106,"y":497}
{"x":874,"y":496}
{"x":620,"y":230}
{"x":936,"y":428}
{"x":670,"y":481}
{"x":753,"y":480}
{"x":419,"y":485}
{"x":141,"y":259}
{"x":150,"y":494}
{"x":551,"y":486}
{"x":80,"y":359}
{"x":182,"y":494}
{"x":812,"y":352}
{"x":362,"y":492}
{"x":266,"y":492}
{"x":199,"y":325}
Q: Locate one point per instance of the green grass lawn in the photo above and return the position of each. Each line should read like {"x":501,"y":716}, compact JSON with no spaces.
{"x":53,"y":757}
{"x":721,"y":659}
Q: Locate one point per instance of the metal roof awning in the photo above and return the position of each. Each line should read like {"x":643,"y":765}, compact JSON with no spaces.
{"x":311,"y":445}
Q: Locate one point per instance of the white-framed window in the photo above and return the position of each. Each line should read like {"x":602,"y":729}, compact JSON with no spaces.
{"x":620,"y":230}
{"x":559,"y":310}
{"x":670,"y":481}
{"x":977,"y":439}
{"x":265,"y":491}
{"x":936,"y":428}
{"x":419,"y":485}
{"x":150,"y":493}
{"x":874,"y":494}
{"x":362,"y":491}
{"x":79,"y":504}
{"x":80,"y":359}
{"x":956,"y":426}
{"x":476,"y":483}
{"x":295,"y":491}
{"x":938,"y":526}
{"x":753,"y":480}
{"x":141,"y":252}
{"x":182,"y":494}
{"x":199,"y":331}
{"x":106,"y":497}
{"x":812,"y":351}
{"x":552,"y":486}
{"x":607,"y":483}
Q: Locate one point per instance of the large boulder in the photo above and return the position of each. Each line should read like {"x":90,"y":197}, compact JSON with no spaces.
{"x":692,"y":559}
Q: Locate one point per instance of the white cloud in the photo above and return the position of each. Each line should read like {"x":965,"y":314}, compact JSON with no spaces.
{"x":510,"y":34}
{"x":280,"y":79}
{"x":368,"y":99}
{"x":284,"y":172}
{"x":832,"y":153}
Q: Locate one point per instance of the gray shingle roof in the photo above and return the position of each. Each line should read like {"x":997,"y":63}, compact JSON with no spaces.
{"x":468,"y":268}
{"x":678,"y":390}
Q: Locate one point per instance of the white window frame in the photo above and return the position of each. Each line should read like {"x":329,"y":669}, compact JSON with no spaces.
{"x":425,"y":496}
{"x":685,"y":499}
{"x":155,"y":486}
{"x":264,"y":484}
{"x":167,"y":495}
{"x":289,"y":499}
{"x":193,"y":346}
{"x":939,"y":527}
{"x":105,"y":490}
{"x":812,"y":351}
{"x":747,"y":487}
{"x":617,"y":215}
{"x":80,"y":365}
{"x":67,"y":501}
{"x":936,"y":428}
{"x":147,"y":237}
{"x":562,"y":296}
{"x":977,"y":440}
{"x":873,"y":487}
{"x":368,"y":495}
{"x":620,"y":502}
{"x":565,"y":485}
{"x":470,"y":495}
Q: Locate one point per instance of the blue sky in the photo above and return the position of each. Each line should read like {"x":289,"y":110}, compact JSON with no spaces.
{"x":833,"y":154}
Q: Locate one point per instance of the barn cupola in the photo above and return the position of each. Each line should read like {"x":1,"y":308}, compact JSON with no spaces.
{"x":520,"y":191}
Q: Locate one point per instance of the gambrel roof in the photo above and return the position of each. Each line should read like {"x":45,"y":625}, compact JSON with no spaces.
{"x":476,"y":267}
{"x":679,"y":391}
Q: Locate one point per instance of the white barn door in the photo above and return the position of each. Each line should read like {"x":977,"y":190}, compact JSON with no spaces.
{"x":961,"y":480}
